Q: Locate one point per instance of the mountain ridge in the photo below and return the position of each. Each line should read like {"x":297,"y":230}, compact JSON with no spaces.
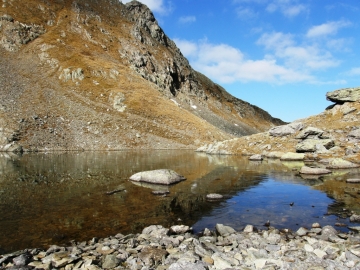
{"x":101,"y":75}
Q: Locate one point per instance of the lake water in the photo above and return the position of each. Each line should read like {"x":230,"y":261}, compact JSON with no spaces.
{"x":53,"y":198}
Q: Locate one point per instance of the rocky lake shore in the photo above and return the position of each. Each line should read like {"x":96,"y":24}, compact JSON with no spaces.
{"x":178,"y":248}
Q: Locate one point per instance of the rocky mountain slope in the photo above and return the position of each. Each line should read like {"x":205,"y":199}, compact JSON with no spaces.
{"x":102,"y":75}
{"x":332,"y":137}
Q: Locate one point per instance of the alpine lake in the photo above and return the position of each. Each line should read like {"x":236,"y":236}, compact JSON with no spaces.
{"x":57,"y":197}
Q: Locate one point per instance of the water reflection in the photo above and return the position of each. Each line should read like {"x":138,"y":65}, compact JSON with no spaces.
{"x":54,"y":198}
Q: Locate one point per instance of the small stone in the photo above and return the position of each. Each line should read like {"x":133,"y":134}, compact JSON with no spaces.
{"x":179,"y":229}
{"x":214,"y":196}
{"x":301,"y":231}
{"x":308,"y":248}
{"x":320,"y":253}
{"x":256,"y":157}
{"x":316,"y":225}
{"x":249,"y":229}
{"x":224,"y":230}
{"x":110,"y":262}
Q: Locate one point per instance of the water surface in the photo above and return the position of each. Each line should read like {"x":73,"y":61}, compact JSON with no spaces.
{"x":52,"y":198}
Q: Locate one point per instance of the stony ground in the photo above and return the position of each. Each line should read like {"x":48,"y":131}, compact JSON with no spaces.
{"x":177,"y":248}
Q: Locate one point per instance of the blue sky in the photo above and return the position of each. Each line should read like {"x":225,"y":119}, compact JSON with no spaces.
{"x":280,"y":55}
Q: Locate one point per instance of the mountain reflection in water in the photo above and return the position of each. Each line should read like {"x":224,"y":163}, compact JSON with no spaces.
{"x":52,"y":198}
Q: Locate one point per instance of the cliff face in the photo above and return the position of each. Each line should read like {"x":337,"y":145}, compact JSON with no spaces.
{"x":103,"y":75}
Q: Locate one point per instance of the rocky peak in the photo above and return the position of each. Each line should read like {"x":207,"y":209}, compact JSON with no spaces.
{"x":144,"y":19}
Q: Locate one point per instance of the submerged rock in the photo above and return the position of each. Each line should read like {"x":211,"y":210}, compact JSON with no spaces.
{"x":309,"y":170}
{"x":290,"y":156}
{"x":162,"y":177}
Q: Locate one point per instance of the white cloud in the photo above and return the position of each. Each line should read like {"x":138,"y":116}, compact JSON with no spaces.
{"x":287,"y":7}
{"x":354,"y":71}
{"x":283,"y":46}
{"x":187,"y":19}
{"x":325,"y":29}
{"x":154,"y":5}
{"x":246,"y":13}
{"x":227,"y":64}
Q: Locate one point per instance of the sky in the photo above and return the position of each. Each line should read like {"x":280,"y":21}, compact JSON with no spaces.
{"x":280,"y":55}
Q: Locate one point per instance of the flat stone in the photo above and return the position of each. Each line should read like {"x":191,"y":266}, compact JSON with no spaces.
{"x":290,"y":156}
{"x":315,"y":171}
{"x":256,"y":157}
{"x":320,"y":253}
{"x":162,"y":177}
{"x":214,"y":196}
{"x":353,"y":180}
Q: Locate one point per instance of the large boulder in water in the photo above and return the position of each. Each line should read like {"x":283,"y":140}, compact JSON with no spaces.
{"x":161,"y":177}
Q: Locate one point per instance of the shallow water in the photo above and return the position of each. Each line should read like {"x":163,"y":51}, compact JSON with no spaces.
{"x":54,"y":198}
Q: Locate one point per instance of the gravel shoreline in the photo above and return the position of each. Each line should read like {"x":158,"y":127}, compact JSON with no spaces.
{"x":177,"y":248}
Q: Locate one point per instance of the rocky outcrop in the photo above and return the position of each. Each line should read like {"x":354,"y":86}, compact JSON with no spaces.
{"x":14,"y":34}
{"x":344,"y":95}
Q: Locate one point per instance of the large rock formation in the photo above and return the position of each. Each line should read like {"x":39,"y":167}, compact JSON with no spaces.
{"x":335,"y":133}
{"x":104,"y":75}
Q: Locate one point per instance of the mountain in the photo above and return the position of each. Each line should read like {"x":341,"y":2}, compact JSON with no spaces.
{"x":102,"y":75}
{"x":331,"y":137}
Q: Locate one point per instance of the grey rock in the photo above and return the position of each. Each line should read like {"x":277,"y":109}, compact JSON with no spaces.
{"x":224,"y":230}
{"x":309,"y":132}
{"x":344,"y":95}
{"x":22,"y":260}
{"x":328,"y":231}
{"x":110,"y":262}
{"x":316,"y":171}
{"x":339,"y":163}
{"x":179,"y":229}
{"x":354,"y":135}
{"x":285,"y":130}
{"x":302,"y":231}
{"x":256,"y":157}
{"x":309,"y":145}
{"x":162,"y":177}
